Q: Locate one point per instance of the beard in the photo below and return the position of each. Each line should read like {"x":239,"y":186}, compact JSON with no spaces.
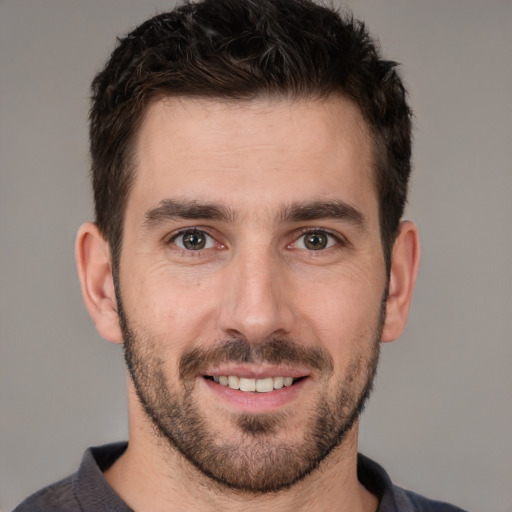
{"x":259,"y":459}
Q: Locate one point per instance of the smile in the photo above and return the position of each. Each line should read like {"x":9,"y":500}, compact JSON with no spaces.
{"x":249,"y":385}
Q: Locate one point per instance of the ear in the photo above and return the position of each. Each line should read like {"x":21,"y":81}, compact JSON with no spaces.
{"x":94,"y":264}
{"x":404,"y":269}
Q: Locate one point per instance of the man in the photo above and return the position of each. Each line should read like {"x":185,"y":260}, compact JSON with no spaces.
{"x":250,"y":165}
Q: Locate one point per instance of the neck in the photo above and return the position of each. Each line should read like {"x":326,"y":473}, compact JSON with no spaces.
{"x":151,"y":476}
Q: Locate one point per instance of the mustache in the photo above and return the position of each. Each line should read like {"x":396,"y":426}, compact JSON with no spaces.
{"x":275,"y":351}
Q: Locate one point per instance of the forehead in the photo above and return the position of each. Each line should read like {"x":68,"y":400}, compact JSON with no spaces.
{"x":258,"y":153}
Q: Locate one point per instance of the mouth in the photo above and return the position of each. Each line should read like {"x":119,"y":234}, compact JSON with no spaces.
{"x":253,"y":385}
{"x":257,"y":390}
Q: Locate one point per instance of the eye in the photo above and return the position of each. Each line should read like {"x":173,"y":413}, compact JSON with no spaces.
{"x":193,"y":240}
{"x":315,"y":241}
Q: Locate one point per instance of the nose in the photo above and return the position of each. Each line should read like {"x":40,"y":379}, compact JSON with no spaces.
{"x":256,"y":302}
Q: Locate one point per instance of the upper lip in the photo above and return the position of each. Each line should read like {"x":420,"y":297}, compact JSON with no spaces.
{"x":257,"y":371}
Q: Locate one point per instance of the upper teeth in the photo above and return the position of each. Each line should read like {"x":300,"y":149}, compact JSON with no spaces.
{"x":259,"y":385}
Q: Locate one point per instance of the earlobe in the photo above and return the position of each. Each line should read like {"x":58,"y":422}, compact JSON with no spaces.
{"x":95,"y":272}
{"x":404,"y":269}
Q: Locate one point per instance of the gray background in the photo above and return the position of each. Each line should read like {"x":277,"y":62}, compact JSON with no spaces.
{"x":440,"y":420}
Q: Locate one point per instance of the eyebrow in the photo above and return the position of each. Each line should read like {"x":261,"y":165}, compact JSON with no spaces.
{"x":338,"y":210}
{"x":173,"y":209}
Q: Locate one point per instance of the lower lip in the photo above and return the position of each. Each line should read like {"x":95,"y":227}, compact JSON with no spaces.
{"x":257,"y":402}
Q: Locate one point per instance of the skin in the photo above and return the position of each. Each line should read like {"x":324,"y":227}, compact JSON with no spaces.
{"x":255,"y":280}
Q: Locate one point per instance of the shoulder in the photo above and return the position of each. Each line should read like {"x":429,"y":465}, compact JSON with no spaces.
{"x":408,"y":500}
{"x":58,"y":496}
{"x":84,"y":491}
{"x":393,"y":498}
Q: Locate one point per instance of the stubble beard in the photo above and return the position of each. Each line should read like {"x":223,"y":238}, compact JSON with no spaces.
{"x":254,"y":462}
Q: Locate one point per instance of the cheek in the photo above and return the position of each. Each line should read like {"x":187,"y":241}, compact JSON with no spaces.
{"x":342,"y":314}
{"x":173,"y":307}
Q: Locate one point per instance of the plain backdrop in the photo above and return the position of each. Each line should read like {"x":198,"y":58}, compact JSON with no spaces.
{"x":440,"y":420}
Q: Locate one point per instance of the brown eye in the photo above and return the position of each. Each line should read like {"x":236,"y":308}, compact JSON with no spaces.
{"x":193,"y":240}
{"x":316,"y":241}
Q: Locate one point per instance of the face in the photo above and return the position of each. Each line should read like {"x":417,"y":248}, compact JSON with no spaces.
{"x":252,"y":283}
